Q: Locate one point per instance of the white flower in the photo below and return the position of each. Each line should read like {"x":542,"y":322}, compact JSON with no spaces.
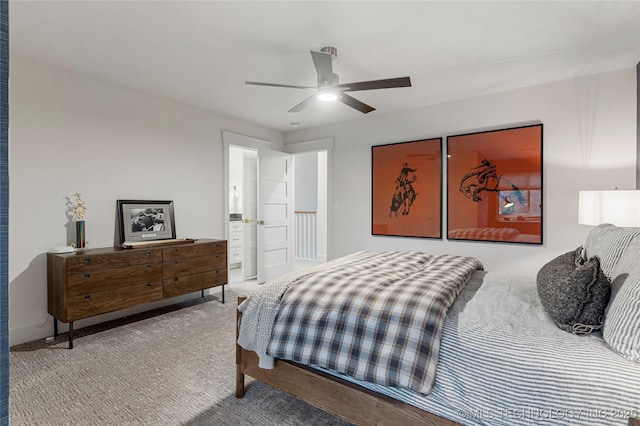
{"x":79,"y":209}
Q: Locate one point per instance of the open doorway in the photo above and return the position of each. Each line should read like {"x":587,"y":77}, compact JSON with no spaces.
{"x":242,"y":225}
{"x":310,"y":208}
{"x":310,"y":211}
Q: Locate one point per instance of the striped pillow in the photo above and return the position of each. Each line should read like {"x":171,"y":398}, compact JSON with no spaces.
{"x":621,"y":328}
{"x":608,"y":242}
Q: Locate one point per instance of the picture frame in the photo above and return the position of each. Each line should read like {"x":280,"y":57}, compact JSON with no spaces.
{"x":145,"y":220}
{"x":494,"y":185}
{"x":406,"y":189}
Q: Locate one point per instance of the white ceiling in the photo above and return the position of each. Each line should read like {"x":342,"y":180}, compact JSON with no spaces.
{"x":201,"y":52}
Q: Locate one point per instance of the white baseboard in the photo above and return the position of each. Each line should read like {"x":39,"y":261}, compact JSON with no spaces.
{"x":29,"y":333}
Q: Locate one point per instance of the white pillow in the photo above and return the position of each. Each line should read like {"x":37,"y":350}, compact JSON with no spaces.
{"x":621,"y":328}
{"x":608,"y":242}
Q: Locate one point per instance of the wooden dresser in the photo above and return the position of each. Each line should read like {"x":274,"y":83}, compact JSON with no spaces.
{"x":97,"y":281}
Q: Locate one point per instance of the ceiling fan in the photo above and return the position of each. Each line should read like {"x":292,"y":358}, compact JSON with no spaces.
{"x":328,"y":88}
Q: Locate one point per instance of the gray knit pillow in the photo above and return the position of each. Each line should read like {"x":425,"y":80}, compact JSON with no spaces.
{"x":574,"y":292}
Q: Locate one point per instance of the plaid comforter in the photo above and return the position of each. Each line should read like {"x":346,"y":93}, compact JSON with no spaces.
{"x":378,"y":318}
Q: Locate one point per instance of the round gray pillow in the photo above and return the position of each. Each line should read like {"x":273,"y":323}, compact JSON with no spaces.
{"x":574,"y":292}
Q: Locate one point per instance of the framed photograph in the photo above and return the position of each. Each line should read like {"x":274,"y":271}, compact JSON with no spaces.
{"x":142,"y":220}
{"x":494,"y":185}
{"x":406,"y":189}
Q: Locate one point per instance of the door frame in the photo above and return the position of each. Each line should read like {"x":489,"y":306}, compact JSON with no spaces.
{"x":248,"y":142}
{"x":317,"y":145}
{"x":230,"y":139}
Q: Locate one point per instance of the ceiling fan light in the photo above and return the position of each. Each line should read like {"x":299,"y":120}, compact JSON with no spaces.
{"x":327,"y":95}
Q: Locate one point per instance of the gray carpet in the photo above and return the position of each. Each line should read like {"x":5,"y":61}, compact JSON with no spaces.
{"x":171,"y":366}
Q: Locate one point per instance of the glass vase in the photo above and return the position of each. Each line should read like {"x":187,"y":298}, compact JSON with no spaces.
{"x":80,"y":234}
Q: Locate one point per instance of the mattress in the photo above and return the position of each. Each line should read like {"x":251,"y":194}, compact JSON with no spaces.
{"x":504,"y":362}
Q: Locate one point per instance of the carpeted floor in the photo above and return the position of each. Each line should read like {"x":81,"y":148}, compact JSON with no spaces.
{"x":171,"y":366}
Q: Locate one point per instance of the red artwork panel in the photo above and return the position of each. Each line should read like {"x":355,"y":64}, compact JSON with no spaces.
{"x":494,"y":185}
{"x":406,"y":189}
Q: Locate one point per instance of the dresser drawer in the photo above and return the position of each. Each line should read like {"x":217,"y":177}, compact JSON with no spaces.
{"x":235,"y":255}
{"x":194,"y":250}
{"x":194,"y":265}
{"x":235,"y":226}
{"x":235,"y":239}
{"x":100,"y":262}
{"x":91,"y":304}
{"x":112,"y":279}
{"x":189,"y":283}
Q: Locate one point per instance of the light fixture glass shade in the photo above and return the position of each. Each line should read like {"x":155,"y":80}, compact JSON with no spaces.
{"x":621,"y":208}
{"x":327,"y":94}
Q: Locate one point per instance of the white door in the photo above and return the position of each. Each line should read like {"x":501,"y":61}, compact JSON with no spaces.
{"x":275,"y":214}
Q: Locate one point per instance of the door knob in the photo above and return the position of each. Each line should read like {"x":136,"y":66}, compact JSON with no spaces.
{"x":261,"y":222}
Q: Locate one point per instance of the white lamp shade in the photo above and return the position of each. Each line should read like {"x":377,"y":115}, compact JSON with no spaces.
{"x":621,"y":208}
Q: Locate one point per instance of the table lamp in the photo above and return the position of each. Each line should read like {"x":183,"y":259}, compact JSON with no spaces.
{"x":620,"y":208}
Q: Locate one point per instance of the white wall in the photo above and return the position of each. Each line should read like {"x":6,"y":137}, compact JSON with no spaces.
{"x":306,"y":181}
{"x":69,"y":133}
{"x":589,"y":143}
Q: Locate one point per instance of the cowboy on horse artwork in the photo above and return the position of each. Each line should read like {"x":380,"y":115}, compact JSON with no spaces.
{"x":485,"y":178}
{"x":404,"y":195}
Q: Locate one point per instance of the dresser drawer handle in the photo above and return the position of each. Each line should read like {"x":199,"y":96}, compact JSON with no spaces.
{"x":87,"y":296}
{"x":87,"y":275}
{"x":175,"y":250}
{"x":148,"y":284}
{"x":175,"y":262}
{"x":148,"y":253}
{"x":175,"y":280}
{"x":149,"y":266}
{"x":87,"y":260}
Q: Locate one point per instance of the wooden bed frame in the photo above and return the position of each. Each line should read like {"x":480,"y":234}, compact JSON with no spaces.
{"x":353,"y":403}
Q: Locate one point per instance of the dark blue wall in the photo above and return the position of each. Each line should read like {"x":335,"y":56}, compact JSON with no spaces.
{"x":4,"y":212}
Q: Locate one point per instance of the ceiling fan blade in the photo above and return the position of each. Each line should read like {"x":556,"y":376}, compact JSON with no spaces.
{"x":322,"y":62}
{"x":302,"y":105}
{"x":388,"y":83}
{"x":356,"y":104}
{"x":257,"y":83}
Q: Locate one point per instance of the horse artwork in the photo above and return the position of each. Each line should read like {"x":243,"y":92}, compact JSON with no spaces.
{"x":494,"y":185}
{"x":406,"y":189}
{"x":404,"y":195}
{"x":485,"y":178}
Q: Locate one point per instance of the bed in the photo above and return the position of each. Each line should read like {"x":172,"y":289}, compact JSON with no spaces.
{"x":502,"y":354}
